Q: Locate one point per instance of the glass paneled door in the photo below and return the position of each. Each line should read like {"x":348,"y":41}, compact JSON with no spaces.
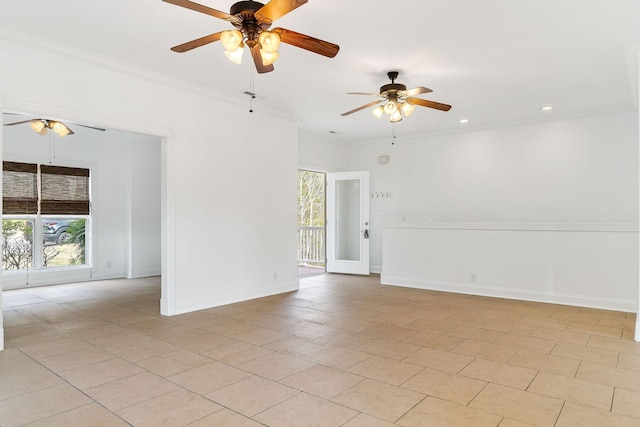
{"x":348,"y":222}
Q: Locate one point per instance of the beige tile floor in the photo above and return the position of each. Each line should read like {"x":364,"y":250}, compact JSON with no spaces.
{"x":341,"y":351}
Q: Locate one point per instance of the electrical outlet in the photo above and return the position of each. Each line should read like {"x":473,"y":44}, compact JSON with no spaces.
{"x":275,"y":277}
{"x":472,"y":277}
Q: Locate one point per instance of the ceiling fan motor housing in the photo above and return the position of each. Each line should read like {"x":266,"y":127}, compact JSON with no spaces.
{"x":245,"y":8}
{"x":391,"y":88}
{"x":248,"y":24}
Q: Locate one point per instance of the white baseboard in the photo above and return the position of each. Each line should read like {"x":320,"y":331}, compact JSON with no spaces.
{"x":51,"y":276}
{"x":1,"y":339}
{"x":637,"y":333}
{"x":167,"y":307}
{"x":143,"y":273}
{"x":230,"y":298}
{"x":480,"y":289}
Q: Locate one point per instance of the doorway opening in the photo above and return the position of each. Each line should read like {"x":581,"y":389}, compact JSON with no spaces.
{"x":311,"y":223}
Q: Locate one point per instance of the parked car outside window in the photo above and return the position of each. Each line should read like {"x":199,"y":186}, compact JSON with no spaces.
{"x":54,"y":231}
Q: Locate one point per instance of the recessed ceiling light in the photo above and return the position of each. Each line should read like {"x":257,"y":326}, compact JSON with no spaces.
{"x":547,"y":108}
{"x":464,"y":121}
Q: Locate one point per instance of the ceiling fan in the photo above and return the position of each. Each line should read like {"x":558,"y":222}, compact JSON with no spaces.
{"x":41,"y":126}
{"x":252,"y":20}
{"x":397,"y":100}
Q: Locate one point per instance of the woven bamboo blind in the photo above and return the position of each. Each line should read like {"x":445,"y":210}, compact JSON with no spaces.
{"x":64,"y":190}
{"x":19,"y":188}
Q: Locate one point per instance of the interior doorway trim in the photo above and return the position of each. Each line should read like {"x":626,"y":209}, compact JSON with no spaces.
{"x":168,"y":220}
{"x":168,"y":284}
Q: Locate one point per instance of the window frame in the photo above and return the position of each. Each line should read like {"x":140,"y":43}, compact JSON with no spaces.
{"x":38,"y":218}
{"x":37,"y":244}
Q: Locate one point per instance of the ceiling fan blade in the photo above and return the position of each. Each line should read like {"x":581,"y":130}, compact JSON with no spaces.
{"x":276,"y":9}
{"x":257,"y":59}
{"x":430,"y":104}
{"x":49,"y":125}
{"x":203,"y":9}
{"x":19,"y":123}
{"x":363,"y":93}
{"x":371,"y":104}
{"x":415,"y":91}
{"x":185,"y":47}
{"x":309,"y":43}
{"x":90,"y":127}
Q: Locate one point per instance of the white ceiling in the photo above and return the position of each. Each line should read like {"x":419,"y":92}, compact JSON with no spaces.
{"x":495,"y":61}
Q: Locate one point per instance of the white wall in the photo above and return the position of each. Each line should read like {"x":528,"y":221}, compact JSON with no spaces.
{"x":582,"y":170}
{"x":125,"y":190}
{"x":321,"y":153}
{"x":229,"y":188}
{"x":585,"y":266}
{"x":572,"y":174}
{"x":145,"y":235}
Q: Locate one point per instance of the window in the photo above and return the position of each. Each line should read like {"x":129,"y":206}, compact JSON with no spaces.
{"x":311,"y":222}
{"x":46,"y":212}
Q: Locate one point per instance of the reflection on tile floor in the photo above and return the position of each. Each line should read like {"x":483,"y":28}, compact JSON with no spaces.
{"x":341,"y":351}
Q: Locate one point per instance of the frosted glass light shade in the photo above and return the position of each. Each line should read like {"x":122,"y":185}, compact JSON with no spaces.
{"x":395,"y":117}
{"x":390,"y":107}
{"x":61,"y":129}
{"x":231,"y":40}
{"x":269,"y":41}
{"x":269,"y":58}
{"x":407,"y":108}
{"x":235,"y":56}
{"x":38,"y":127}
{"x":378,"y":111}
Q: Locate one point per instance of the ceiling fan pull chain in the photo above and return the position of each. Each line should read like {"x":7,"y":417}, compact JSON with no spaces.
{"x":393,"y":134}
{"x":251,"y":89}
{"x":52,"y":148}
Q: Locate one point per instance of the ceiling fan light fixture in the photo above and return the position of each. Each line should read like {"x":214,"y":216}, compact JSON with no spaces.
{"x":398,"y":101}
{"x":269,"y":41}
{"x":269,"y":58}
{"x":250,"y":19}
{"x":235,"y":56}
{"x":407,"y":108}
{"x":38,"y":126}
{"x":231,"y":40}
{"x":60,"y":128}
{"x":391,"y":107}
{"x":395,"y":117}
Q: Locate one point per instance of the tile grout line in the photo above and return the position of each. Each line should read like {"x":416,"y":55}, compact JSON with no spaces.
{"x":77,"y":389}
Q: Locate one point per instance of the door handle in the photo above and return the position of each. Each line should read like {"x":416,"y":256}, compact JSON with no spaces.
{"x":366,"y":233}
